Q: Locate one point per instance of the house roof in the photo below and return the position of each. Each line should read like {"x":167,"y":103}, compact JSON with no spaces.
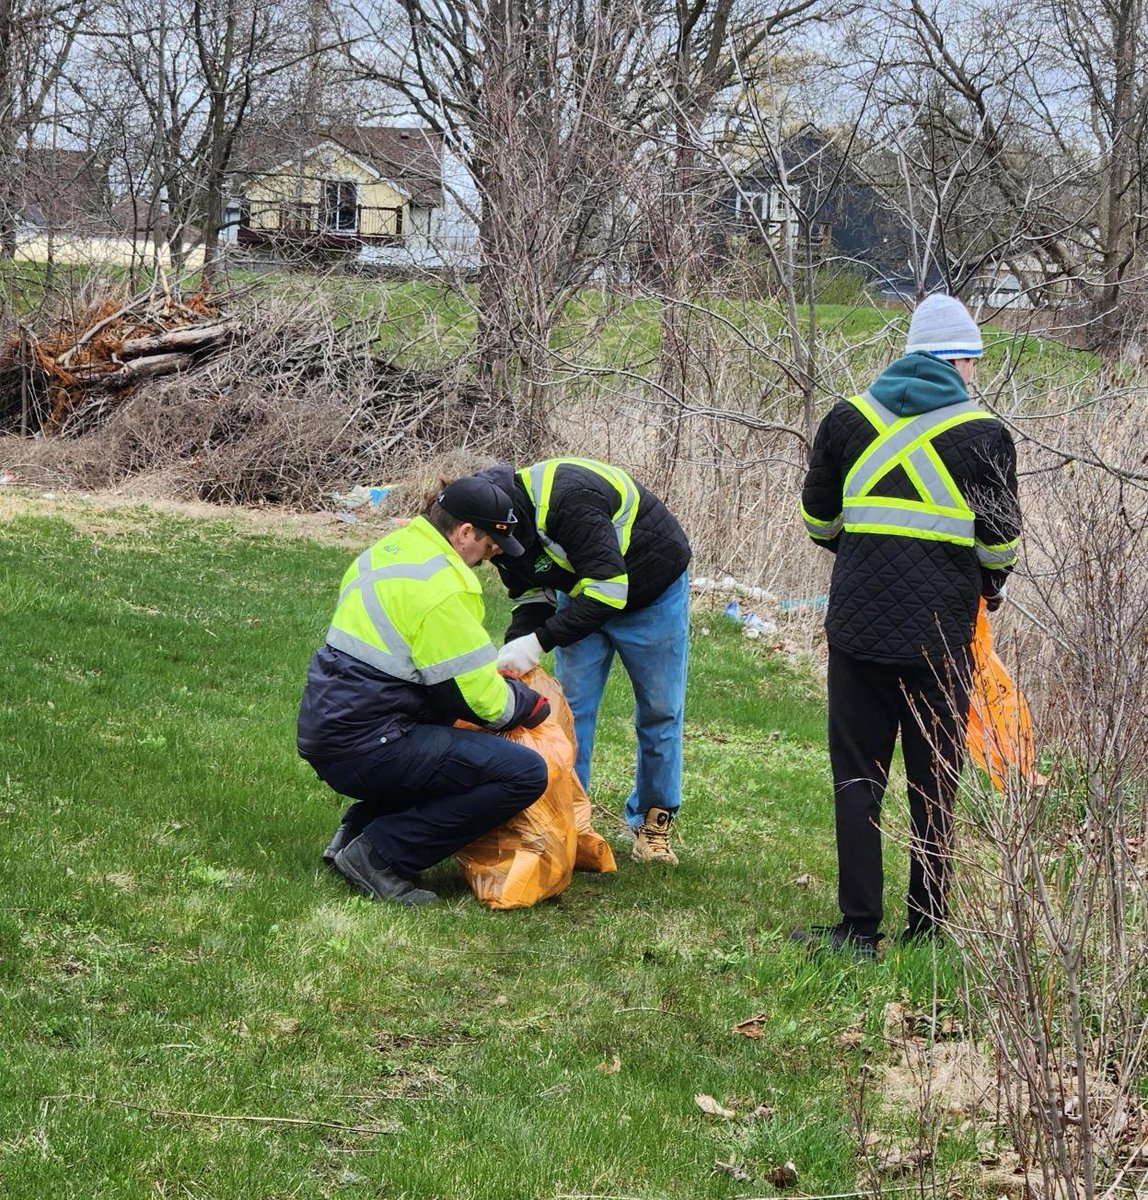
{"x":61,"y":189}
{"x":409,"y":158}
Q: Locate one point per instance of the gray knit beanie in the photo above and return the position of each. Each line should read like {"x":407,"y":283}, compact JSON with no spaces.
{"x":941,"y":326}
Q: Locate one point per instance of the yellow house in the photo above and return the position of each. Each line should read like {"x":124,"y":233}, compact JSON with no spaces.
{"x":340,"y":189}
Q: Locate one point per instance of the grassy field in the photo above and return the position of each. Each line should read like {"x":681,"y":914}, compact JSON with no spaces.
{"x":193,"y":1007}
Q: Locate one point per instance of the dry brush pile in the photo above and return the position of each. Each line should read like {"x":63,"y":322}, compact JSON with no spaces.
{"x":236,"y":400}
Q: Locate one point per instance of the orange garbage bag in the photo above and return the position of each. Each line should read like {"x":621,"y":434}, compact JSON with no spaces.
{"x":594,"y":853}
{"x":1000,"y":737}
{"x":532,"y":856}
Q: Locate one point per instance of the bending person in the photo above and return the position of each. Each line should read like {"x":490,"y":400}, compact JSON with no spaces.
{"x":406,"y":655}
{"x":604,"y":573}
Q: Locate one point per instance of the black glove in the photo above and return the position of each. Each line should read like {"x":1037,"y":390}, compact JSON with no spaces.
{"x":992,"y":603}
{"x":537,"y":714}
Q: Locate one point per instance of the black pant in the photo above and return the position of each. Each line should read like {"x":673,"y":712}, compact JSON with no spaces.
{"x":427,"y":794}
{"x":868,"y":703}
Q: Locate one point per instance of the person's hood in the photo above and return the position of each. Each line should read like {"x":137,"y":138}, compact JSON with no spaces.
{"x":918,"y":383}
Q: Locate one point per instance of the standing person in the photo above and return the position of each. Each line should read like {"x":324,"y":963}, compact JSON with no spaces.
{"x":913,"y":488}
{"x":604,"y":573}
{"x":405,"y":656}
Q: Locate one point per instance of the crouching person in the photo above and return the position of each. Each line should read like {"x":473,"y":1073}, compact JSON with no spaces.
{"x":407,"y":655}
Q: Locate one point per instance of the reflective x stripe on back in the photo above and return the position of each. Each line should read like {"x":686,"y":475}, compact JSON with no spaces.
{"x":394,"y":658}
{"x":940,"y":512}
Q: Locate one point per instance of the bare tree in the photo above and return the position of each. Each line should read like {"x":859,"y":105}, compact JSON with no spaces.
{"x":194,"y":71}
{"x":36,"y":43}
{"x":1014,"y":136}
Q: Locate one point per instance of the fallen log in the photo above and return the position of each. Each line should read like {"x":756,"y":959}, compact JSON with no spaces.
{"x":144,"y":368}
{"x":185,"y":337}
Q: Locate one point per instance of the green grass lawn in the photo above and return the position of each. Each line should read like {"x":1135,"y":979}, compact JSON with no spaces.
{"x":193,"y":1007}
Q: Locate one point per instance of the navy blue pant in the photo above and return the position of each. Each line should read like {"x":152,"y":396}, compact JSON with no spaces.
{"x":421,"y":797}
{"x":869,"y":703}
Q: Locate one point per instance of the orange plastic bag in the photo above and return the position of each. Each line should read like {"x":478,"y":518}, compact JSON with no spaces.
{"x":1000,"y":737}
{"x":532,"y":856}
{"x":594,"y":853}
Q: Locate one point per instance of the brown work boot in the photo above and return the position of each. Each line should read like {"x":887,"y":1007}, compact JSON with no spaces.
{"x":652,"y":839}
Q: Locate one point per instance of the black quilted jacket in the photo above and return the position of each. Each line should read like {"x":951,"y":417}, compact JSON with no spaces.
{"x":892,"y":598}
{"x":581,"y":506}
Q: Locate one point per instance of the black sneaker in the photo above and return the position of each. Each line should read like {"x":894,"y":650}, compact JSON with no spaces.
{"x":342,"y":838}
{"x":918,"y":935}
{"x":837,"y":939}
{"x":364,"y":867}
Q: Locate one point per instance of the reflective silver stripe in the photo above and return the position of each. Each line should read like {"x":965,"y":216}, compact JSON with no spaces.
{"x":876,"y":459}
{"x":930,"y":478}
{"x":552,"y":548}
{"x":507,"y":710}
{"x":384,"y":627}
{"x":397,"y":666}
{"x":395,"y":657}
{"x":622,"y":520}
{"x":368,"y":574}
{"x":451,"y":668}
{"x":612,"y":591}
{"x":996,"y":556}
{"x":535,"y":596}
{"x":894,"y":518}
{"x":401,"y":667}
{"x":823,"y":530}
{"x":536,"y":477}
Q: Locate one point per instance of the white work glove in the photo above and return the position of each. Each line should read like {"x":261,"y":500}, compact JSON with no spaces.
{"x":992,"y":603}
{"x":521,"y":655}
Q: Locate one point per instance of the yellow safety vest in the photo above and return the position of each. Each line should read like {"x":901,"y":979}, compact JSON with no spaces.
{"x":538,"y":481}
{"x":938,"y":513}
{"x":411,"y":608}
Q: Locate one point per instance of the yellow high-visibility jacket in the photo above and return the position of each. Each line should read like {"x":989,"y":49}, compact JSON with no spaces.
{"x":406,"y":645}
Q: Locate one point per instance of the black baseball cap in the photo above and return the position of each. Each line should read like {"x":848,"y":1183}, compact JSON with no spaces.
{"x":486,"y":506}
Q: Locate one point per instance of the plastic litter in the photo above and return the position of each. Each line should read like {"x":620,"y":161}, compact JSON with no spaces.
{"x":803,"y":602}
{"x":360,"y":495}
{"x":727,"y":583}
{"x":751,"y":624}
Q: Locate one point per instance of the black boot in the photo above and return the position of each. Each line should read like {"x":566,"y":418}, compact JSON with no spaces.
{"x":362,"y":865}
{"x":837,"y":939}
{"x":342,"y":838}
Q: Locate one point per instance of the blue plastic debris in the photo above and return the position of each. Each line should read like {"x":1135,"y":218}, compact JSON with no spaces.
{"x":805,"y":602}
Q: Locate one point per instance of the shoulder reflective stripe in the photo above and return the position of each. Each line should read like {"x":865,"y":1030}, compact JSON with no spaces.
{"x":539,"y":483}
{"x":873,"y":412}
{"x":1003,"y":555}
{"x":451,"y":668}
{"x":369,"y":575}
{"x":881,"y":455}
{"x":397,"y":666}
{"x":394,"y":655}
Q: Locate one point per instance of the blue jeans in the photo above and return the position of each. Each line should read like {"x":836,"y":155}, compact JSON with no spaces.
{"x":653,"y":644}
